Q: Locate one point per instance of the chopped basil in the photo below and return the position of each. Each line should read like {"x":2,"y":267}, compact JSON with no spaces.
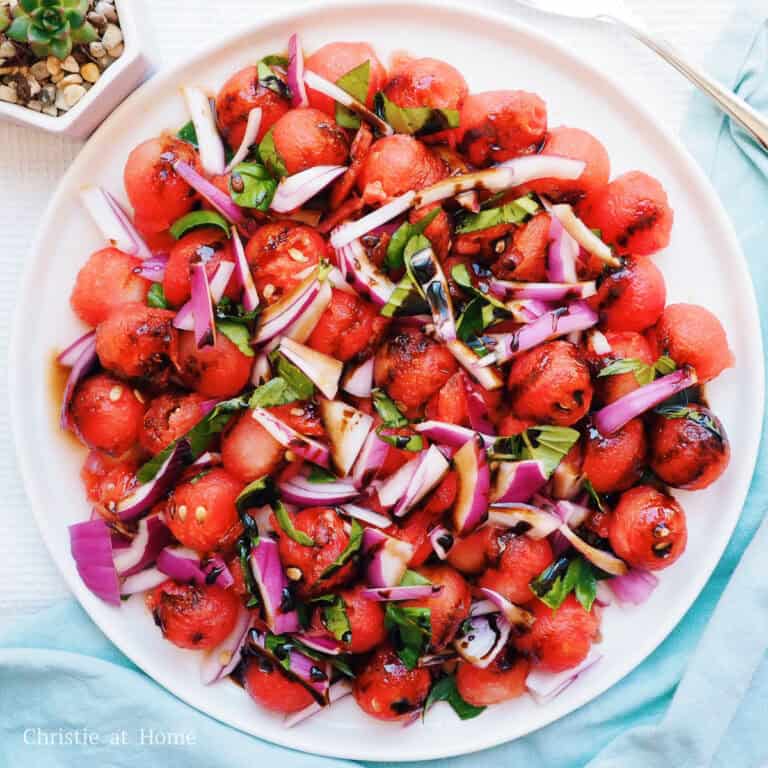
{"x":403,"y":442}
{"x":593,"y":494}
{"x":702,"y":418}
{"x":270,"y":156}
{"x":476,"y":317}
{"x":549,"y":444}
{"x":509,"y":448}
{"x":514,"y":212}
{"x":245,"y":544}
{"x":415,"y":120}
{"x":414,"y":579}
{"x":389,"y":412}
{"x":337,"y":662}
{"x":461,"y":276}
{"x":412,"y":630}
{"x":426,"y":273}
{"x":564,"y":576}
{"x":336,"y":621}
{"x":405,"y":297}
{"x":199,"y":219}
{"x":227,"y":309}
{"x":445,"y":690}
{"x":320,"y":475}
{"x":396,"y":246}
{"x":156,"y":297}
{"x":296,"y":379}
{"x":355,"y":83}
{"x":188,"y":133}
{"x":276,"y":391}
{"x":258,"y":493}
{"x":199,"y":437}
{"x":644,"y":373}
{"x":285,"y":521}
{"x":268,"y":78}
{"x":252,"y":186}
{"x":352,"y":548}
{"x":238,"y":334}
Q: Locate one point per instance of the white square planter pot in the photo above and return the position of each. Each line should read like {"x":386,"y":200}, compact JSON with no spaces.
{"x":117,"y":81}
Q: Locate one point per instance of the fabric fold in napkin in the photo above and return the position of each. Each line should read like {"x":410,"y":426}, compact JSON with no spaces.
{"x":698,"y":701}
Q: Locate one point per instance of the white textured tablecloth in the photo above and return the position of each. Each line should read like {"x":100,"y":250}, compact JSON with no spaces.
{"x":31,"y":164}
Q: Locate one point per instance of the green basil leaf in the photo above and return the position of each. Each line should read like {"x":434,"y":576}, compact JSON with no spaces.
{"x":252,"y":186}
{"x":396,"y":246}
{"x":336,"y":621}
{"x":701,"y":418}
{"x":664,"y":366}
{"x":285,"y":521}
{"x":268,"y":78}
{"x":593,"y":494}
{"x":320,"y":475}
{"x":355,"y":83}
{"x":445,"y":689}
{"x":405,"y":297}
{"x":296,"y":379}
{"x":403,"y":442}
{"x":564,"y":576}
{"x":389,"y":412}
{"x":261,"y":492}
{"x":476,"y":317}
{"x":199,"y":219}
{"x":156,"y":297}
{"x":514,"y":212}
{"x":199,"y":437}
{"x":510,"y":448}
{"x":412,"y":628}
{"x":414,"y":579}
{"x":238,"y":334}
{"x":461,"y":276}
{"x":585,"y":587}
{"x":643,"y":372}
{"x":352,"y":548}
{"x":276,"y":60}
{"x":188,"y":133}
{"x":549,"y":444}
{"x":275,"y":392}
{"x":415,"y":120}
{"x":270,"y":156}
{"x":244,"y":546}
{"x":227,"y":309}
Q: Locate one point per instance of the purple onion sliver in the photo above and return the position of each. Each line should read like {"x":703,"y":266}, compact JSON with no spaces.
{"x":143,"y":581}
{"x":546,"y":686}
{"x":635,"y":587}
{"x":220,"y":661}
{"x":252,"y":127}
{"x":321,"y":643}
{"x":209,"y":143}
{"x":71,"y":354}
{"x":243,"y":271}
{"x":114,"y":223}
{"x":294,"y":191}
{"x":561,"y":255}
{"x":274,"y":323}
{"x":152,"y":537}
{"x":86,"y":361}
{"x":272,"y":582}
{"x":366,"y":515}
{"x":347,"y":233}
{"x":338,"y":690}
{"x":415,"y":592}
{"x":91,"y":546}
{"x":299,"y":490}
{"x":532,"y":167}
{"x":517,"y":481}
{"x":359,"y":382}
{"x":474,"y":478}
{"x":202,"y":307}
{"x":288,"y":437}
{"x":153,"y":268}
{"x":441,"y":540}
{"x":295,"y":73}
{"x":218,"y":199}
{"x":477,"y":408}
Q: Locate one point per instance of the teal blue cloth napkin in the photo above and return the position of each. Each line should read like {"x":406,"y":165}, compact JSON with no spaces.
{"x":699,"y":700}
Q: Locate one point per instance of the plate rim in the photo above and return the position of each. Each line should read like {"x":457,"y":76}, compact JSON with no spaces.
{"x":514,"y":25}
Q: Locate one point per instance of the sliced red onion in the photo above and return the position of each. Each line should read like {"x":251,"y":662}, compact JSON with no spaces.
{"x":299,"y":490}
{"x":477,"y":408}
{"x":546,"y":686}
{"x":561,"y":255}
{"x":302,"y":446}
{"x":347,"y":233}
{"x":476,"y":366}
{"x":577,"y":316}
{"x":392,"y":489}
{"x":415,"y":592}
{"x":85,"y":348}
{"x":469,"y":201}
{"x":209,"y":142}
{"x":153,"y":268}
{"x":429,"y":472}
{"x":143,"y":498}
{"x":221,"y":201}
{"x":219,"y":662}
{"x":634,"y":587}
{"x":436,"y":659}
{"x":142,"y":581}
{"x":152,"y":537}
{"x":604,"y":596}
{"x":491,"y":179}
{"x":528,"y":310}
{"x":366,"y":515}
{"x":441,"y":540}
{"x":301,"y":328}
{"x":185,"y":317}
{"x":366,"y":277}
{"x":113,"y":222}
{"x":516,"y":616}
{"x":359,"y":381}
{"x":70,"y":355}
{"x":250,"y":295}
{"x":322,"y":643}
{"x":262,"y":370}
{"x":389,"y":558}
{"x":544,"y":292}
{"x":541,"y":524}
{"x":372,"y":456}
{"x":335,"y":92}
{"x":252,"y":127}
{"x":182,"y":564}
{"x":295,"y":73}
{"x":322,"y":370}
{"x":567,"y":480}
{"x":571,"y":514}
{"x":275,"y":319}
{"x":91,"y":547}
{"x":450,"y":434}
{"x":483,"y":639}
{"x":338,"y":690}
{"x":583,"y":235}
{"x":483,"y":608}
{"x":618,"y":413}
{"x":339,"y":280}
{"x":347,"y":429}
{"x":217,"y":572}
{"x":471,"y":506}
{"x":533,"y":167}
{"x":599,"y":343}
{"x":273,"y":586}
{"x":202,"y":307}
{"x":315,"y":675}
{"x":294,"y":191}
{"x":605,"y":561}
{"x":517,"y":481}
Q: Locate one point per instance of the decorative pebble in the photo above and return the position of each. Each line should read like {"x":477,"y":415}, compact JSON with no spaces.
{"x":58,"y":77}
{"x":97,"y":19}
{"x":53,"y":64}
{"x":90,"y":72}
{"x":48,"y":95}
{"x":50,"y":110}
{"x":7,"y":50}
{"x":70,"y":64}
{"x":117,"y":51}
{"x":73,"y":94}
{"x":39,"y":70}
{"x":97,"y":49}
{"x":112,"y":37}
{"x":35,"y":105}
{"x":8,"y":94}
{"x":70,"y":80}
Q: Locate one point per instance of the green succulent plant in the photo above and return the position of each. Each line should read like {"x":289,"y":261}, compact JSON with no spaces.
{"x":51,"y":26}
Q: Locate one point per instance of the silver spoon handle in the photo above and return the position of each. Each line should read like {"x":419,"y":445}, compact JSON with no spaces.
{"x":729,"y":102}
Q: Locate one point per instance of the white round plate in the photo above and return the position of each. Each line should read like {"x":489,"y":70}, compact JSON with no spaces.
{"x":703,"y":264}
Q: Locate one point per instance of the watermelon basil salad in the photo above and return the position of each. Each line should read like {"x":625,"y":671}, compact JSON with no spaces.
{"x":382,"y":395}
